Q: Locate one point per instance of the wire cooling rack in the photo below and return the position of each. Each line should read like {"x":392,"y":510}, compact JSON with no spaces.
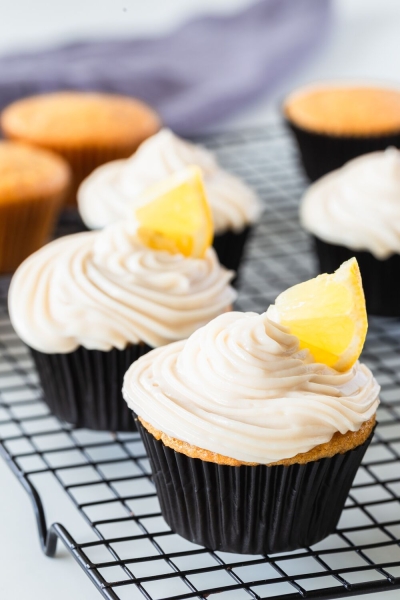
{"x":132,"y":553}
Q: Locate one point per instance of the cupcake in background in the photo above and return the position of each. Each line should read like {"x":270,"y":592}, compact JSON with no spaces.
{"x":334,"y":123}
{"x":33,"y":185}
{"x":355,"y":211}
{"x":89,"y":304}
{"x":87,"y":129}
{"x":104,"y":196}
{"x":256,"y":425}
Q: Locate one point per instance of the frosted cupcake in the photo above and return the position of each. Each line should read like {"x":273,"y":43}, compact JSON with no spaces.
{"x":104,"y":195}
{"x":334,"y":123}
{"x":355,"y":211}
{"x":254,"y":441}
{"x":90,"y":304}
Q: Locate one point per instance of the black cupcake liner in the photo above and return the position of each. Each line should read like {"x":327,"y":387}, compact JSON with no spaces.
{"x":251,"y":510}
{"x":322,"y":153}
{"x":381,"y":278}
{"x":229,"y":247}
{"x":84,"y":387}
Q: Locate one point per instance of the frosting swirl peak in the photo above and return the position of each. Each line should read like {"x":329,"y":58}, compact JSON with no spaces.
{"x":105,"y":289}
{"x":240,"y":387}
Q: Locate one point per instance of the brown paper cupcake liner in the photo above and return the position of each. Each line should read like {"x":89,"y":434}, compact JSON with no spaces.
{"x":84,"y":160}
{"x":322,"y":153}
{"x":25,"y":227}
{"x":84,"y":387}
{"x":230,"y":246}
{"x":251,"y":509}
{"x":381,"y":278}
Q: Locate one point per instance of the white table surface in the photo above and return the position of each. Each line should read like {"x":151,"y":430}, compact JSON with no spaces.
{"x":365,"y":43}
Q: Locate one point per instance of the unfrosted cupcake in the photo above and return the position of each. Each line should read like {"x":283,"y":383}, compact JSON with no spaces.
{"x":253,"y":442}
{"x":33,"y":185}
{"x":90,"y":304}
{"x":355,"y":211}
{"x":104,"y":196}
{"x":86,"y":128}
{"x":334,"y":123}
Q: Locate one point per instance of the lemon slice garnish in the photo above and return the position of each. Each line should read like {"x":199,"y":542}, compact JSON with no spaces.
{"x":328,"y":315}
{"x":174,"y":215}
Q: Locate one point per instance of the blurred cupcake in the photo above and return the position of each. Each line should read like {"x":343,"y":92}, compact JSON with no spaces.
{"x":253,"y":441}
{"x":90,"y":304}
{"x":104,"y":196}
{"x":355,"y":211}
{"x":87,"y":129}
{"x":335,"y":123}
{"x":33,"y":184}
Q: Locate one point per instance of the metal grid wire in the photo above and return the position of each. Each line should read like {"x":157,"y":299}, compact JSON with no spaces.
{"x":132,"y":553}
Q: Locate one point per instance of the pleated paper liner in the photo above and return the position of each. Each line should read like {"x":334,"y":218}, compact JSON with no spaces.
{"x":230,"y":246}
{"x":321,"y":153}
{"x":83,"y":160}
{"x":251,"y":510}
{"x":84,"y":387}
{"x":381,"y":278}
{"x":25,"y":227}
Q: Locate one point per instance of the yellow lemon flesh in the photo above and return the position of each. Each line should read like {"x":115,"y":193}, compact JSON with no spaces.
{"x":328,"y":315}
{"x":174,"y":215}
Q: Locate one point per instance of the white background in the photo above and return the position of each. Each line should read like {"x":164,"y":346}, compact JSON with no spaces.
{"x":365,"y":43}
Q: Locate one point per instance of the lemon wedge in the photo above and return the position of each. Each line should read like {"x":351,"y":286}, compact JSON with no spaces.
{"x":327,"y":314}
{"x":174,"y":215}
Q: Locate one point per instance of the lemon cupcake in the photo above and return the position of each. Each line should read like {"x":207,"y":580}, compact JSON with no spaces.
{"x":104,"y":196}
{"x":91,"y":303}
{"x":33,"y":184}
{"x":256,"y":425}
{"x":355,"y":211}
{"x":87,"y":129}
{"x":334,"y":123}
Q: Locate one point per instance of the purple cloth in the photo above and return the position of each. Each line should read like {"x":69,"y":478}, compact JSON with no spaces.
{"x":204,"y":71}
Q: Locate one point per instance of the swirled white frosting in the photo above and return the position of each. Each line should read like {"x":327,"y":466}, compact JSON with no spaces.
{"x":240,"y":387}
{"x":104,"y":290}
{"x":358,"y":206}
{"x":103,"y":197}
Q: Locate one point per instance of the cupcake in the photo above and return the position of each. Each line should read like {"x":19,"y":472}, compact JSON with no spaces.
{"x":253,"y":439}
{"x":335,"y":123}
{"x":87,"y":129}
{"x":355,"y":211}
{"x":89,"y":304}
{"x":33,"y":184}
{"x":104,"y":196}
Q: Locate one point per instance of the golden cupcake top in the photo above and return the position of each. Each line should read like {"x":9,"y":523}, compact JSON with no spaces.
{"x":345,"y":110}
{"x":28,"y":173}
{"x":80,"y":118}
